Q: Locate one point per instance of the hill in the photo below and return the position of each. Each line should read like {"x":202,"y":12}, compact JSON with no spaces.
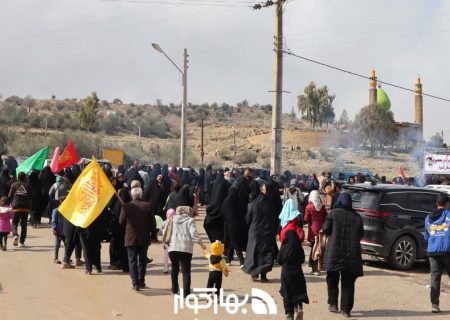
{"x":239,"y":134}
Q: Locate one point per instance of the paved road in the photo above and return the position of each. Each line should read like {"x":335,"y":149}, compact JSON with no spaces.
{"x":35,"y":288}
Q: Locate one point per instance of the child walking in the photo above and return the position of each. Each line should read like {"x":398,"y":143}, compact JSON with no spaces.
{"x":217,"y":266}
{"x":169,"y":214}
{"x":6,"y":215}
{"x":57,"y":230}
{"x":293,"y":283}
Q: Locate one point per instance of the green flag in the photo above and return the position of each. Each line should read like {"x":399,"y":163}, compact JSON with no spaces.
{"x":35,"y":162}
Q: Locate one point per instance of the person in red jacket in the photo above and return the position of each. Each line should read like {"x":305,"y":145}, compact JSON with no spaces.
{"x":315,"y":215}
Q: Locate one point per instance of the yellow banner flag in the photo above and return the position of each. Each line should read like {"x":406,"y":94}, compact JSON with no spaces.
{"x":88,"y":196}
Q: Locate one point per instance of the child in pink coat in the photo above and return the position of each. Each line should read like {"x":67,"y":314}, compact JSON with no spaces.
{"x":6,"y":215}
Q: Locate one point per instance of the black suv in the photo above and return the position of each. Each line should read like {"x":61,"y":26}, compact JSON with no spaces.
{"x":394,"y":220}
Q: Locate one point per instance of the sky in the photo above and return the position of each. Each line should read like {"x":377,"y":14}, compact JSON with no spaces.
{"x":70,"y":48}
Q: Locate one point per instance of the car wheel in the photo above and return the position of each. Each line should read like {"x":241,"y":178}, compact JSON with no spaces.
{"x":403,"y":253}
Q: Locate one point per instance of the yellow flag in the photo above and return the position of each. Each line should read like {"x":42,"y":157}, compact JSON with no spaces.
{"x":88,"y":196}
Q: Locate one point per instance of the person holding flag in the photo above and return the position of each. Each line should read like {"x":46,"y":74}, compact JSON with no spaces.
{"x":86,"y":200}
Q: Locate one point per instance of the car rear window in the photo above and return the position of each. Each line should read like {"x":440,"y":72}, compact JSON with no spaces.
{"x":364,"y":199}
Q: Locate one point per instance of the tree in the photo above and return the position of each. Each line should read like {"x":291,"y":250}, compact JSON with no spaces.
{"x":344,"y":119}
{"x":313,"y":102}
{"x":343,"y":122}
{"x":292,"y":114}
{"x":436,"y":141}
{"x":327,"y":114}
{"x":88,"y":111}
{"x":375,"y":126}
{"x":117,"y":101}
{"x":29,"y":102}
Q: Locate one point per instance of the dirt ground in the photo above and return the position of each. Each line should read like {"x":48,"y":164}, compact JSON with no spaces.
{"x":33,"y":287}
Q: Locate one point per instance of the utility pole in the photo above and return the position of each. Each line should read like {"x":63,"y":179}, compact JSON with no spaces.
{"x":202,"y":154}
{"x":276,"y":154}
{"x":183,"y":112}
{"x":234,"y":141}
{"x":275,"y":157}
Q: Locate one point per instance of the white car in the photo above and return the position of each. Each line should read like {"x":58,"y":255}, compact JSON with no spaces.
{"x":440,"y":187}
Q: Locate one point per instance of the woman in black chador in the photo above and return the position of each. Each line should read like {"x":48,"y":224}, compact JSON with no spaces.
{"x":261,"y":235}
{"x":293,"y":283}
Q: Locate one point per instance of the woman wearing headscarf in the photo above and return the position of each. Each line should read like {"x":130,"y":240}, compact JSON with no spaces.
{"x":173,"y":175}
{"x":293,"y":283}
{"x":315,"y":215}
{"x":185,"y":179}
{"x":58,"y":190}
{"x":154,"y":195}
{"x":291,"y":219}
{"x":344,"y":228}
{"x":331,"y":194}
{"x":181,"y":234}
{"x":261,"y":235}
{"x":214,"y":219}
{"x":180,"y":197}
{"x":234,"y":209}
{"x":118,"y":255}
{"x":201,"y":184}
{"x":47,"y":180}
{"x":36,"y":207}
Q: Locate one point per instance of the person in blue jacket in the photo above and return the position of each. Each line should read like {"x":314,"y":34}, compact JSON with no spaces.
{"x":437,"y":234}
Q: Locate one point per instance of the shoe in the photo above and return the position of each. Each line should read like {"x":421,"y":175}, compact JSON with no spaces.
{"x":21,"y":245}
{"x":142,"y":286}
{"x":241,"y":266}
{"x":67,"y":266}
{"x":254,"y":278}
{"x":166,"y":271}
{"x":149,"y":260}
{"x":4,"y":248}
{"x":435,"y":308}
{"x":136,"y":288}
{"x":289,"y":317}
{"x":16,"y":241}
{"x":299,"y":315}
{"x":317,"y":273}
{"x":264,"y":279}
{"x":88,"y":272}
{"x":56,"y":261}
{"x":114,"y":268}
{"x":333,"y":308}
{"x":99,"y":269}
{"x":79,"y":263}
{"x":346,"y":314}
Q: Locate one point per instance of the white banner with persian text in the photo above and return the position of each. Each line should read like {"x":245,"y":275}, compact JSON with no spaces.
{"x":436,"y":164}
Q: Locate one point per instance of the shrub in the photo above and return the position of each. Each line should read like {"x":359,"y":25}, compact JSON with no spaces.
{"x":247,"y":157}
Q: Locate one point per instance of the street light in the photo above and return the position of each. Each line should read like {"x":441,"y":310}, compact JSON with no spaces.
{"x":184,"y":101}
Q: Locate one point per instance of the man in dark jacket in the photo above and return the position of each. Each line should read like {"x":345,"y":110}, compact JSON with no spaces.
{"x":437,"y":234}
{"x":140,"y":228}
{"x":343,"y":259}
{"x":20,"y":197}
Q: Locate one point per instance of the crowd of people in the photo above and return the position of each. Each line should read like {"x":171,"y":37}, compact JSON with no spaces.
{"x":245,"y":217}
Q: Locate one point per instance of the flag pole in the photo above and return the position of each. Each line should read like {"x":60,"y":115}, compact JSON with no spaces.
{"x":118,"y":197}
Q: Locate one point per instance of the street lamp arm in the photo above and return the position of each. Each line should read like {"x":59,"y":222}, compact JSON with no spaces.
{"x":158,"y":48}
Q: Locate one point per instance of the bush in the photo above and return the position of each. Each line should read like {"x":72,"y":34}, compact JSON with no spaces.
{"x":247,"y":157}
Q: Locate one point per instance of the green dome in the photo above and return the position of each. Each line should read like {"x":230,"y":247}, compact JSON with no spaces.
{"x":383,"y":99}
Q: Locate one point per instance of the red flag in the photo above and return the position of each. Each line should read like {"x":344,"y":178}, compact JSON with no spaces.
{"x":68,"y":157}
{"x":402,"y":172}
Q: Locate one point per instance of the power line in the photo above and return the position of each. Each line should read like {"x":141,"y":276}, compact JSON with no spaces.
{"x":289,"y":52}
{"x":206,"y":3}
